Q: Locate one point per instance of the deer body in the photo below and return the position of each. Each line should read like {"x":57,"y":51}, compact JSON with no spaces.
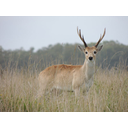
{"x":67,"y":77}
{"x":71,"y":77}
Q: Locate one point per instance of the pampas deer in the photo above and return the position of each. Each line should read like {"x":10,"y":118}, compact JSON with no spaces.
{"x":71,"y":77}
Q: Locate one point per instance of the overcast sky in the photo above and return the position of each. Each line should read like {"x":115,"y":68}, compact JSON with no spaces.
{"x":38,"y":32}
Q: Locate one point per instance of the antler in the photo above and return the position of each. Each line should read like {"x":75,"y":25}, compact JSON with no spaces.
{"x":101,"y":38}
{"x":82,"y":38}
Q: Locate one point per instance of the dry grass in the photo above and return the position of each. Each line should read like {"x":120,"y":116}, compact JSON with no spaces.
{"x":19,"y":88}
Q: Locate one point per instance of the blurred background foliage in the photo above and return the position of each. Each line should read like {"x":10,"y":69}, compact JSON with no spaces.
{"x":111,"y":55}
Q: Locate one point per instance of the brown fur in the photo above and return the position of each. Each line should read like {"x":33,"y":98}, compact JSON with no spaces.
{"x":70,"y":77}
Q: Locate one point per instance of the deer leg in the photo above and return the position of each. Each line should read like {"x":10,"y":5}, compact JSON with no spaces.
{"x":77,"y":92}
{"x":41,"y":90}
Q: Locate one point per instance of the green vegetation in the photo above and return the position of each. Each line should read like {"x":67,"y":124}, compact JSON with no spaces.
{"x":19,"y":80}
{"x":111,"y":54}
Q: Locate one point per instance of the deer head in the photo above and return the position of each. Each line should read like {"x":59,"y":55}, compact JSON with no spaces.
{"x":90,"y":52}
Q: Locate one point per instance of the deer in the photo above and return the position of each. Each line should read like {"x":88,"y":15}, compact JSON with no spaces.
{"x":71,"y":77}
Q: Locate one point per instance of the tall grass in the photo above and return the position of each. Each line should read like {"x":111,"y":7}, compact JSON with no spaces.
{"x":18,"y":89}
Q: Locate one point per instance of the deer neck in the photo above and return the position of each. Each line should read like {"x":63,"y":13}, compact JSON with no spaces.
{"x":88,"y":68}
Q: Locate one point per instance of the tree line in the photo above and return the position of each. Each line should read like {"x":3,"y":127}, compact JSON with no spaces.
{"x":112,"y":54}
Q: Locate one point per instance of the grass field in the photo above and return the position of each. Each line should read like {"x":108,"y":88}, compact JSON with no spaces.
{"x":109,"y":93}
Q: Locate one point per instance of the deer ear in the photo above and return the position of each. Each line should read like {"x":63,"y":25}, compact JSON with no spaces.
{"x":100,"y":47}
{"x":81,"y":48}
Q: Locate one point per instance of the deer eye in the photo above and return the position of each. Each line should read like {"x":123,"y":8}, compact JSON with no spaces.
{"x":94,"y":52}
{"x":86,"y":52}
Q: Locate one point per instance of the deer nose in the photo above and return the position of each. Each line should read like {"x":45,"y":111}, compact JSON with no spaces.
{"x":90,"y":58}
